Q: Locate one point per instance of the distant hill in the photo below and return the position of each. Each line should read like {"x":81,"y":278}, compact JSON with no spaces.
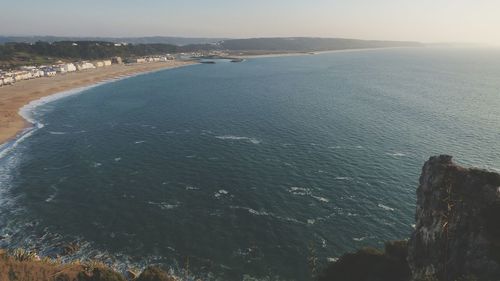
{"x":179,"y":41}
{"x":303,"y":44}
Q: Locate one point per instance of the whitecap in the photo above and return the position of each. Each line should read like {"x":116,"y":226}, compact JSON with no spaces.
{"x":220,"y":193}
{"x":396,"y":154}
{"x":321,"y":199}
{"x":359,"y":239}
{"x":189,"y":187}
{"x":387,"y":208}
{"x":52,"y":196}
{"x":139,"y":142}
{"x":295,"y":190}
{"x":164,"y":205}
{"x":332,"y":259}
{"x":117,"y":159}
{"x":57,"y":133}
{"x":96,"y":164}
{"x":311,"y":221}
{"x":237,"y":138}
{"x":343,"y":178}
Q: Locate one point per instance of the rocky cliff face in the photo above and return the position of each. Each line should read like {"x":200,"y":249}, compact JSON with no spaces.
{"x":457,"y":231}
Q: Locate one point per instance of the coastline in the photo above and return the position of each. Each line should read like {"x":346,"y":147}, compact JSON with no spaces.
{"x":292,"y":54}
{"x":17,"y":99}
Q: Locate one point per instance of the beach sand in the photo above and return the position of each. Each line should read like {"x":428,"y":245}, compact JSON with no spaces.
{"x":12,"y":98}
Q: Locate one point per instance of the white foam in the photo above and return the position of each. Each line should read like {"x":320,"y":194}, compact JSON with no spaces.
{"x":343,"y":178}
{"x":295,"y":190}
{"x":189,"y":187}
{"x":57,"y":133}
{"x":164,"y":205}
{"x":396,"y":154}
{"x":238,"y":138}
{"x":387,"y":208}
{"x":265,"y":213}
{"x":118,"y":159}
{"x":221,"y":193}
{"x":321,"y":199}
{"x":139,"y":142}
{"x":50,"y":198}
{"x":359,"y":239}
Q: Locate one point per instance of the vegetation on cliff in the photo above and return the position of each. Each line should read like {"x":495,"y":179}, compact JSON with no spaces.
{"x":21,"y":265}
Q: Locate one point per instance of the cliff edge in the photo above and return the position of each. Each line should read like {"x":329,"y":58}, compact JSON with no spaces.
{"x":456,"y":237}
{"x":457,"y":232}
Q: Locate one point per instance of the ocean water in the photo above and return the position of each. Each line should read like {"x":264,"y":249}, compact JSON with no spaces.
{"x":237,"y":171}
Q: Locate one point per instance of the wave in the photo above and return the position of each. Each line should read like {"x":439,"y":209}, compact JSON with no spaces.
{"x":343,"y":178}
{"x":164,"y":205}
{"x":359,"y":239}
{"x":190,"y":187}
{"x":265,"y":213}
{"x":303,"y":191}
{"x":238,"y":138}
{"x":387,"y":208}
{"x":396,"y":154}
{"x":221,"y":193}
{"x":57,"y":133}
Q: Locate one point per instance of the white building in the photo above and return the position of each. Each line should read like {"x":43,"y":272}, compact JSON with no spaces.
{"x":99,"y":64}
{"x":107,"y":62}
{"x":84,"y":65}
{"x":8,"y":79}
{"x":49,"y":72}
{"x":21,"y":75}
{"x":60,"y":68}
{"x":70,"y":67}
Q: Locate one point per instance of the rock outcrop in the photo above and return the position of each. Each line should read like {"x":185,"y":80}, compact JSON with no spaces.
{"x":457,"y":235}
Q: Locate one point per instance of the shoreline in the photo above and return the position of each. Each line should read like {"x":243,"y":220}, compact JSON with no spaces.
{"x":17,"y":101}
{"x":293,"y":54}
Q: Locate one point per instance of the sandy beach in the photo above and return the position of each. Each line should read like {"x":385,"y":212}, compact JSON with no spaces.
{"x":12,"y":98}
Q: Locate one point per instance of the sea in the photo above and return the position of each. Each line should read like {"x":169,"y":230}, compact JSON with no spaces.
{"x":266,"y":169}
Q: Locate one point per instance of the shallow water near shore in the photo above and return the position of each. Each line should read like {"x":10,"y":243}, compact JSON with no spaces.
{"x":239,"y":170}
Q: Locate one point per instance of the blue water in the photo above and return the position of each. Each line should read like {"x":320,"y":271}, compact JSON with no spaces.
{"x":239,"y":170}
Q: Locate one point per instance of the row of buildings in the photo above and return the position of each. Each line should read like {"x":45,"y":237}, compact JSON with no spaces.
{"x":32,"y":72}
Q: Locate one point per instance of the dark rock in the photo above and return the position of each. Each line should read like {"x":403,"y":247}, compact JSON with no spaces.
{"x":154,"y":273}
{"x":457,"y":223}
{"x":101,"y":274}
{"x":69,"y":248}
{"x":370,"y":264}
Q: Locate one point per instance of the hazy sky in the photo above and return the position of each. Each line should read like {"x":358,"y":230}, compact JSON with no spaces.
{"x":421,"y":20}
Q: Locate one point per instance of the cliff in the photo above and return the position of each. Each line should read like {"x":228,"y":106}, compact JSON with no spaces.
{"x":457,"y":231}
{"x":456,"y":238}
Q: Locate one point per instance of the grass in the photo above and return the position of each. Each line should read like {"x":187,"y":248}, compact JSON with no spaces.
{"x":24,"y":265}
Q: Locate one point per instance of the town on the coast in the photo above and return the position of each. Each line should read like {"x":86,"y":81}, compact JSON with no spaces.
{"x":27,"y":72}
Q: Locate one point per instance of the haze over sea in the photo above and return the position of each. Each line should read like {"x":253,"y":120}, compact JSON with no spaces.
{"x":249,"y":169}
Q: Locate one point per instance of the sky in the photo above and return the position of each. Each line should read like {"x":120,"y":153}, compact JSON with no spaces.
{"x":467,"y":21}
